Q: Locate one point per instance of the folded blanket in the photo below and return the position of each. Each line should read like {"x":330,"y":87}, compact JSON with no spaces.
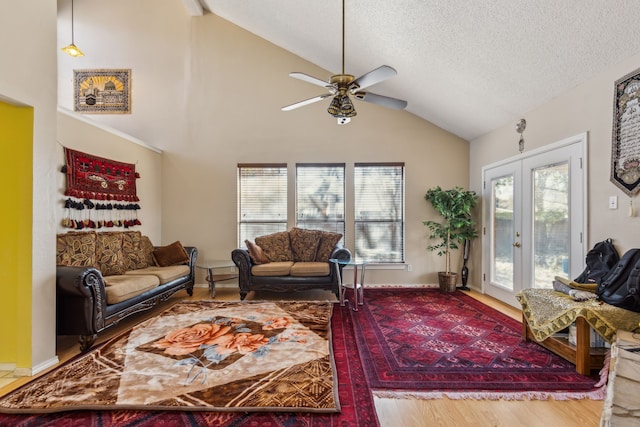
{"x":575,"y":293}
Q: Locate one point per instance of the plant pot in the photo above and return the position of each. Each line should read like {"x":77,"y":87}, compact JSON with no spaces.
{"x":447,"y":281}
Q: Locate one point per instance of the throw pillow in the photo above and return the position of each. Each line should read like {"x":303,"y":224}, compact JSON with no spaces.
{"x":134,"y":257}
{"x":276,"y":246}
{"x":76,"y":248}
{"x":171,"y":254}
{"x":304,"y":244}
{"x":327,"y":242}
{"x":109,"y":257}
{"x":256,"y":253}
{"x":147,"y":251}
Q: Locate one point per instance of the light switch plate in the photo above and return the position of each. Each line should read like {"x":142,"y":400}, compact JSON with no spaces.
{"x":613,"y":202}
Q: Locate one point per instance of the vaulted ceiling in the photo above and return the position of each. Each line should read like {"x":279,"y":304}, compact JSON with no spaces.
{"x":466,"y":66}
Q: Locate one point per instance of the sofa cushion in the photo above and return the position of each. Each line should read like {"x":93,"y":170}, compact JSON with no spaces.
{"x":172,"y":254}
{"x":328,"y":241}
{"x":281,"y":268}
{"x":276,"y":246}
{"x":77,"y":249}
{"x":304,"y":243}
{"x":256,"y":253}
{"x":109,"y":257}
{"x":121,"y":287}
{"x":310,"y":269}
{"x":164,"y":274}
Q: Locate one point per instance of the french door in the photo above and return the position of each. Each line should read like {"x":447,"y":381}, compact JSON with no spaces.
{"x":534,"y":210}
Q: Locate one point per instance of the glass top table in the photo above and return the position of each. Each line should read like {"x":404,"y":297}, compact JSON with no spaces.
{"x":211,"y":265}
{"x":358,"y":282}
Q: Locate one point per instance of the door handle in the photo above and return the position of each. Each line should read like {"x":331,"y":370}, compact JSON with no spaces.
{"x":516,"y":244}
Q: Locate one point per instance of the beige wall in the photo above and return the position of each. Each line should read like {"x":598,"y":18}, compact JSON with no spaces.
{"x":586,"y":108}
{"x":238,"y":84}
{"x":28,"y":77}
{"x":148,"y":37}
{"x":78,"y":133}
{"x":233,"y":86}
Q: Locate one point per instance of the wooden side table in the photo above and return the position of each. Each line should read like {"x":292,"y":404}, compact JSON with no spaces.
{"x":546,"y":312}
{"x":212,"y":278}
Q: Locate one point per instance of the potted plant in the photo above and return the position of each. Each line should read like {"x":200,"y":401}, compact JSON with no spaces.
{"x":456,"y":226}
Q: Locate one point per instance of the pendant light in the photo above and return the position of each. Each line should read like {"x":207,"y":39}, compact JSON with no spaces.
{"x":72,"y":49}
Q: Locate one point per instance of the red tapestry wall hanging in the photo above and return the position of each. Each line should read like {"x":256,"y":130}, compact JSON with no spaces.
{"x":97,"y":178}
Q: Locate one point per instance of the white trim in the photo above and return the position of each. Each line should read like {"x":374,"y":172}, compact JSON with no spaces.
{"x":7,"y":367}
{"x":579,"y":228}
{"x":109,"y":129}
{"x":581,"y":137}
{"x":42,"y":366}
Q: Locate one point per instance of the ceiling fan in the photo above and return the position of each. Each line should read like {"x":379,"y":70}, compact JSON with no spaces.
{"x":340,"y":86}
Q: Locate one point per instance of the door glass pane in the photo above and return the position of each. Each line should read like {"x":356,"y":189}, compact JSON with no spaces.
{"x":502,"y":190}
{"x":551,"y":228}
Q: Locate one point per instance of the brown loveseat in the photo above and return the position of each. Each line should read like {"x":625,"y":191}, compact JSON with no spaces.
{"x":290,"y":261}
{"x":104,"y":277}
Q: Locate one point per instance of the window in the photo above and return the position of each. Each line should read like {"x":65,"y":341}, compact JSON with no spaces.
{"x":320,"y":197}
{"x":379,"y":212}
{"x":262,"y":200}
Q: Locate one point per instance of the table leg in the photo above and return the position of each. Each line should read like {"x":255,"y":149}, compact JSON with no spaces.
{"x":361,"y":288}
{"x":212,"y":283}
{"x":583,"y":346}
{"x":340,"y":286}
{"x":355,"y":288}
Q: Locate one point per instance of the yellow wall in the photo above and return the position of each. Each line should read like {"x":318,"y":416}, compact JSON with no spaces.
{"x":16,"y":142}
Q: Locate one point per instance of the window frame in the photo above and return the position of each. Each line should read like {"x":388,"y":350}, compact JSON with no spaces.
{"x":339,"y":218}
{"x":399,"y":218}
{"x":269,"y":225}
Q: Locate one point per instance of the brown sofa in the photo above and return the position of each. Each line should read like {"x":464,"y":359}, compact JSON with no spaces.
{"x":290,"y":261}
{"x":104,"y":277}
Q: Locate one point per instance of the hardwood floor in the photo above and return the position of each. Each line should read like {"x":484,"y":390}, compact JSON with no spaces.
{"x":400,"y":412}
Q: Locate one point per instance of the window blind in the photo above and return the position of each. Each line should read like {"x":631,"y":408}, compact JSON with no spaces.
{"x":379,"y":212}
{"x":262,"y":200}
{"x":320,"y":197}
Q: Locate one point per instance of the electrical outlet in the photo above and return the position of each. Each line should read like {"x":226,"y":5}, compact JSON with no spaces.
{"x":409,"y":267}
{"x":613,"y":202}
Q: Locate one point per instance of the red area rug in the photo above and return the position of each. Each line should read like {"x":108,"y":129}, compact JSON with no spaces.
{"x":428,"y":344}
{"x":357,"y":407}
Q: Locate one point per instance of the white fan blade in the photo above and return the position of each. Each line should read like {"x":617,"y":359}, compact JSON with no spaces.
{"x":385,"y":101}
{"x":305,"y":102}
{"x":381,"y":73}
{"x":307,"y":78}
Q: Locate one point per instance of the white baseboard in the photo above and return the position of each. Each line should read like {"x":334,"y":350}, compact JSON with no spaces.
{"x":7,"y":366}
{"x":44,"y":365}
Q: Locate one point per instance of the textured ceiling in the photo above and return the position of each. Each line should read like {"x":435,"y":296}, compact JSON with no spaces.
{"x":466,"y":66}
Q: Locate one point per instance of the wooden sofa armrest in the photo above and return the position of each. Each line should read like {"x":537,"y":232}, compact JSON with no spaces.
{"x":193,"y":257}
{"x":242,"y":260}
{"x":80,"y":299}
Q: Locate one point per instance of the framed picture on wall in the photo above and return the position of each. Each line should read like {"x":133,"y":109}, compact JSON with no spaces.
{"x":625,"y":151}
{"x":102,"y":91}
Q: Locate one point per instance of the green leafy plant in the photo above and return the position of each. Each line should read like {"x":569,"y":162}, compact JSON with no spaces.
{"x":457,"y":225}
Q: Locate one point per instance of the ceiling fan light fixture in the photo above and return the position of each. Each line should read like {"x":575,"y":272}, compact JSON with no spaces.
{"x":346,"y":107}
{"x":334,"y":107}
{"x":341,"y":86}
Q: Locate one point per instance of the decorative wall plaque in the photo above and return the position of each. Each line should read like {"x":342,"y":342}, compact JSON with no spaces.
{"x":102,"y":91}
{"x":625,"y":150}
